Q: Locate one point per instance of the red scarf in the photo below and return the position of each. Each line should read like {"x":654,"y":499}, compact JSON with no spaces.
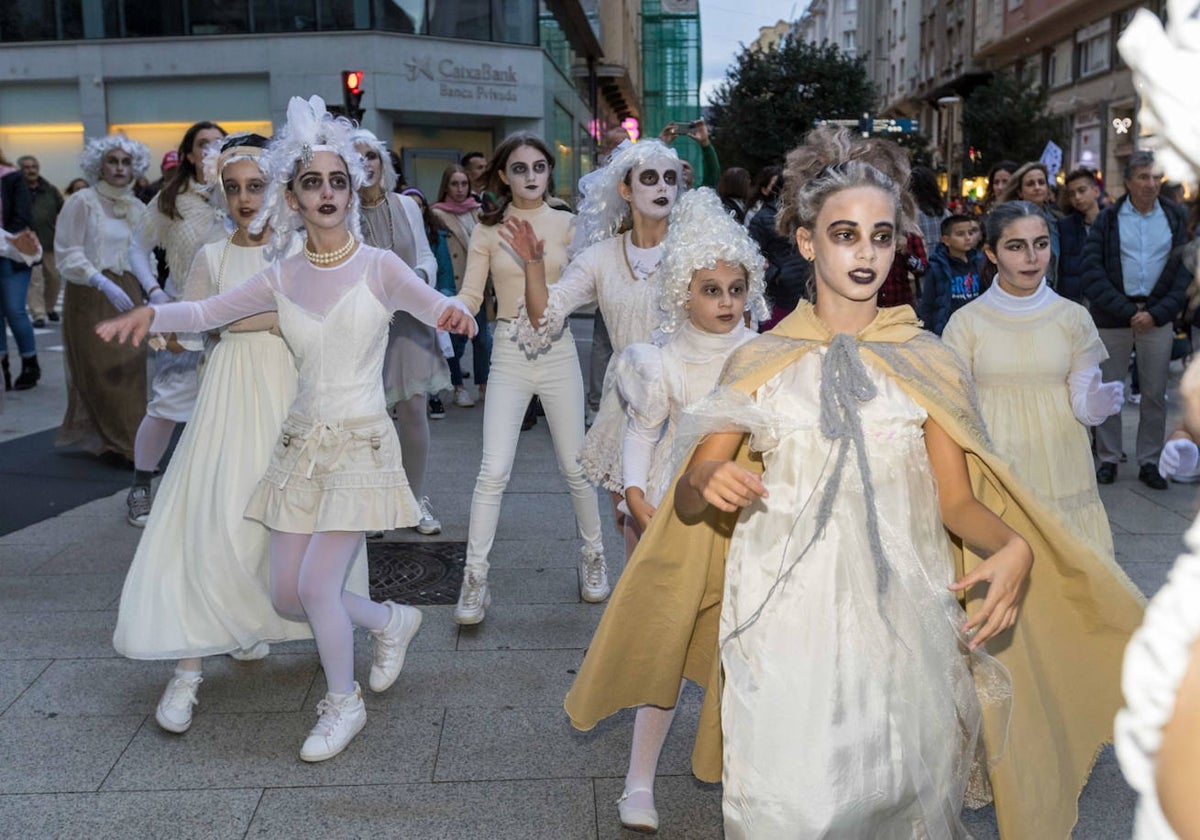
{"x":458,"y":208}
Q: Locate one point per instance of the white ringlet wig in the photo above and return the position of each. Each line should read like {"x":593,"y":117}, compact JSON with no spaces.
{"x":94,"y":150}
{"x":387,"y":172}
{"x":309,"y":128}
{"x":603,"y":213}
{"x":702,"y":233}
{"x":216,"y":159}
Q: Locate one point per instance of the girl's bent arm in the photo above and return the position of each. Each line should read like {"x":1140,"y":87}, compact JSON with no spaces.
{"x":1007,"y":568}
{"x":712,"y":478}
{"x":253,"y":296}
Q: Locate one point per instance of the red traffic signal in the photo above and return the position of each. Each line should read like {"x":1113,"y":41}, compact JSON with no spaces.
{"x":353,"y":79}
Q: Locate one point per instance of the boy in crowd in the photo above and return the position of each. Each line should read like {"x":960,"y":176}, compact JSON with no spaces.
{"x":953,"y":277}
{"x":1081,"y":201}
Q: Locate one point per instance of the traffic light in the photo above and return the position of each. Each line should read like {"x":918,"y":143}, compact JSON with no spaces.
{"x":352,"y":91}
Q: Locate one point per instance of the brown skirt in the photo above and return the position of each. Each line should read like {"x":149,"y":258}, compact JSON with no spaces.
{"x":106,"y":383}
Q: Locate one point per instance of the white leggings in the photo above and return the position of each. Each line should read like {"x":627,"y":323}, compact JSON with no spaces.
{"x":555,"y":376}
{"x":308,"y":583}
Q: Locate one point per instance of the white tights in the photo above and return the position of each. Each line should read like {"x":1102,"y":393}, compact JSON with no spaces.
{"x":650,"y":728}
{"x":153,"y":437}
{"x":308,"y":582}
{"x":412,"y":427}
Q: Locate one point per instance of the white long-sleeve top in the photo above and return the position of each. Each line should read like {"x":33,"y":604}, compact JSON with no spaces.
{"x":93,"y":236}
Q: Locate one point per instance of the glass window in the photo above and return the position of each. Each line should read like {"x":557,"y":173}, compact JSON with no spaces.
{"x":401,"y":16}
{"x":218,"y":17}
{"x":37,"y":20}
{"x":1094,"y":44}
{"x":148,"y":18}
{"x":284,"y":15}
{"x":515,"y":21}
{"x":336,"y":14}
{"x":470,"y":19}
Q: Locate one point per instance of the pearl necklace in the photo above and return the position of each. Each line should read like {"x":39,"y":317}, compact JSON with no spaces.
{"x":330,"y":257}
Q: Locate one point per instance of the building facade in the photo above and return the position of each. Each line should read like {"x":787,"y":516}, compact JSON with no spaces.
{"x":440,"y":78}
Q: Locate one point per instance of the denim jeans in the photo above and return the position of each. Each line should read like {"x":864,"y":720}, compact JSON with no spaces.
{"x":481,"y":352}
{"x":14,"y":286}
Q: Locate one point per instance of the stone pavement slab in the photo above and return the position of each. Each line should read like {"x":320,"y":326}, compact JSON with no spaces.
{"x":62,"y":754}
{"x":122,"y":816}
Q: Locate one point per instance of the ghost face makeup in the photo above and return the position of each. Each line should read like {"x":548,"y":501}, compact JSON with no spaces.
{"x":116,"y":168}
{"x":320,"y":192}
{"x":372,"y":165}
{"x":651,"y":189}
{"x":527,"y":174}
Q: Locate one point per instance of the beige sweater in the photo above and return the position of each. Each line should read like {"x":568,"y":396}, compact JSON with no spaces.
{"x":490,"y":252}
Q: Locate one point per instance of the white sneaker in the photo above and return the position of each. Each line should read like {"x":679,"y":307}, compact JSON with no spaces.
{"x":259,"y":650}
{"x":637,"y":811}
{"x":462,"y":398}
{"x":174,"y":712}
{"x":391,"y":643}
{"x":593,"y":576}
{"x":428,"y":524}
{"x":473,"y":599}
{"x":342,"y":717}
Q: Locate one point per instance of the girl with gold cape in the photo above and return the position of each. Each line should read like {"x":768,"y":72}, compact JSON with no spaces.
{"x":896,"y":747}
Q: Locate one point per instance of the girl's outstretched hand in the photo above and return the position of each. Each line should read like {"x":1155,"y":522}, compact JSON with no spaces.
{"x":520,"y":236}
{"x":130,"y":327}
{"x":456,"y":320}
{"x":725,"y":485}
{"x":1006,"y":573}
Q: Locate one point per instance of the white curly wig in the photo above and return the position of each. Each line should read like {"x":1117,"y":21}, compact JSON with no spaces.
{"x":702,"y":233}
{"x":309,"y":128}
{"x":387,"y":172}
{"x":603,"y":213}
{"x":95,"y":149}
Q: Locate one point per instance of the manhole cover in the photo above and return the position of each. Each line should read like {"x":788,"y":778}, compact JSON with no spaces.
{"x":419,"y":574}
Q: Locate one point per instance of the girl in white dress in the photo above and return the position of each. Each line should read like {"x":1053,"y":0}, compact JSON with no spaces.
{"x":414,"y":366}
{"x":847,"y":708}
{"x":615,"y":257}
{"x":711,"y":277}
{"x":335,"y":472}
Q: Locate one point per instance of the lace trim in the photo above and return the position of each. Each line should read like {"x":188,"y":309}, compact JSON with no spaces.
{"x":538,"y":339}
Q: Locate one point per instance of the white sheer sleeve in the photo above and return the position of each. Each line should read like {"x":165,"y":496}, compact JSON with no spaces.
{"x":574,"y":289}
{"x":399,"y":288}
{"x":140,"y":258}
{"x":7,"y":249}
{"x":69,"y":238}
{"x":255,"y":295}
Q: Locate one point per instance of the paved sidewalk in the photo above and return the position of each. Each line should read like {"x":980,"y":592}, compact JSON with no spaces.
{"x":471,"y":742}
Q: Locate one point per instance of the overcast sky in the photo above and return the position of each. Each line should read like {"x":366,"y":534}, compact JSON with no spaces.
{"x":724,"y":24}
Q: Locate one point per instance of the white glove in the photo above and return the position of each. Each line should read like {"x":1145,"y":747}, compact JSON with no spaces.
{"x":159,"y":296}
{"x":115,"y":294}
{"x":1093,"y":401}
{"x":1179,"y":457}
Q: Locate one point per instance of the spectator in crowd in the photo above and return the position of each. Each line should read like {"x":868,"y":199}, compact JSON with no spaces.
{"x":954,"y":277}
{"x":908,"y":267}
{"x":709,"y":163}
{"x":16,"y":212}
{"x":735,"y":192}
{"x":1031,"y":182}
{"x":788,"y":273}
{"x":458,"y":213}
{"x":1081,"y":203}
{"x":146,"y":191}
{"x":44,"y":283}
{"x":998,"y":177}
{"x":766,"y":180}
{"x":931,"y":204}
{"x":1136,"y":283}
{"x":476,"y":164}
{"x":75,"y":186}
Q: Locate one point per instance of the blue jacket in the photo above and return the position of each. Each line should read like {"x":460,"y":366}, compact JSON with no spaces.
{"x":1072,"y":234}
{"x":1104,"y":283}
{"x":949,"y":284}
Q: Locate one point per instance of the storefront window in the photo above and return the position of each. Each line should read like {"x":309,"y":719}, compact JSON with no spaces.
{"x":284,"y":15}
{"x":40,"y":20}
{"x":402,"y":16}
{"x":217,"y":17}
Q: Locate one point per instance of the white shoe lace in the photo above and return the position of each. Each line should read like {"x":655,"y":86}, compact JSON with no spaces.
{"x":472,"y":595}
{"x":181,"y":693}
{"x":595,"y":570}
{"x":426,"y":508}
{"x":330,"y":716}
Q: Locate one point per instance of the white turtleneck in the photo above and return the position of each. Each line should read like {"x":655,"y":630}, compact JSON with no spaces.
{"x":1011,"y":304}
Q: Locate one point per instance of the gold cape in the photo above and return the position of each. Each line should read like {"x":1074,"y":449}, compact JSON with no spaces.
{"x":1064,"y":653}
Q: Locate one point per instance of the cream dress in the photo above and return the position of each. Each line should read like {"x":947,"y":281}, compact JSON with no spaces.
{"x":622,"y":280}
{"x":848,"y":709}
{"x":1020,"y":361}
{"x":199,"y":583}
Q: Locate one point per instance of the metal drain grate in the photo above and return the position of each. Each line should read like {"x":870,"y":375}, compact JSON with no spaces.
{"x":419,"y":574}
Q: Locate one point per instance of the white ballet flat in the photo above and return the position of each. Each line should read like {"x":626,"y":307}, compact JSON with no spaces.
{"x":638,"y":818}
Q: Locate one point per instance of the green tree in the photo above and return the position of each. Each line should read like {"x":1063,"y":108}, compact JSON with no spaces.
{"x":770,"y":100}
{"x":1007,"y":119}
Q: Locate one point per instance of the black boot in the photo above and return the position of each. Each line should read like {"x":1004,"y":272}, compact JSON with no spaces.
{"x":30,"y":374}
{"x":7,"y":373}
